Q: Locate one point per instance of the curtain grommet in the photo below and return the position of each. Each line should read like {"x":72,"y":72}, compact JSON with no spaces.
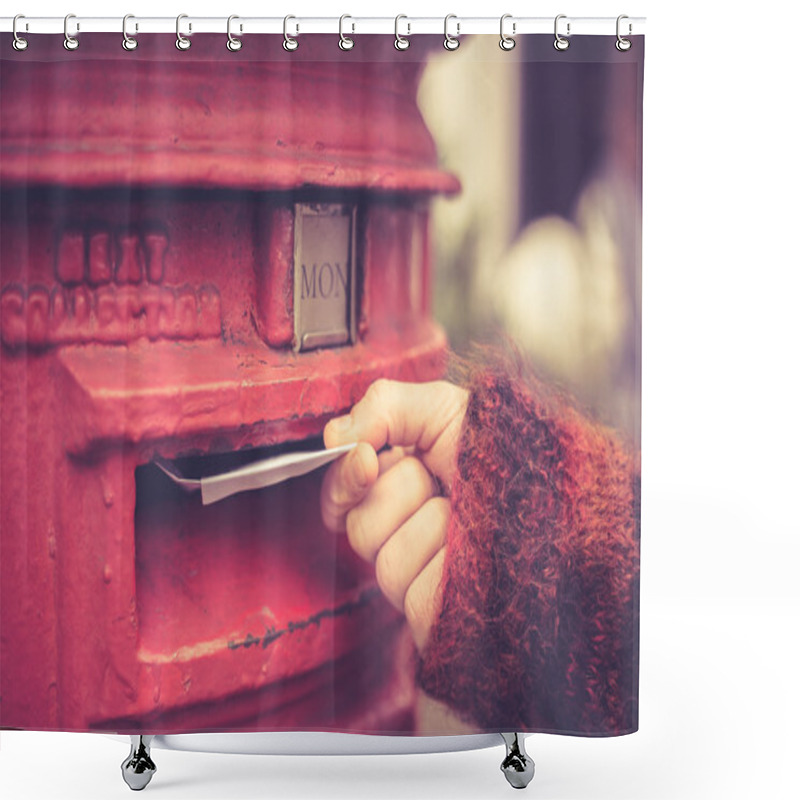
{"x":128,"y":42}
{"x":290,"y":43}
{"x":560,"y":42}
{"x":451,"y":42}
{"x":70,"y":42}
{"x":507,"y":42}
{"x":401,"y":42}
{"x":234,"y":44}
{"x":182,"y":43}
{"x":19,"y":44}
{"x":622,"y":44}
{"x":345,"y":42}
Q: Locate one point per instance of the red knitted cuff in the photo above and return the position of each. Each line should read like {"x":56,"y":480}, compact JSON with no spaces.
{"x":539,"y":623}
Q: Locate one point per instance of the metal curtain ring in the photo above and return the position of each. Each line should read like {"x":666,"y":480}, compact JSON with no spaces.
{"x":451,"y":42}
{"x":560,"y":43}
{"x":128,"y":42}
{"x":400,"y":42}
{"x":234,"y":44}
{"x":506,"y":42}
{"x":289,"y":42}
{"x":182,"y":43}
{"x":70,"y":42}
{"x":345,"y":42}
{"x":19,"y":43}
{"x":623,"y":44}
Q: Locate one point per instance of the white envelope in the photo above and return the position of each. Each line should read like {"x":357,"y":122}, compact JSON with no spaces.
{"x":258,"y":475}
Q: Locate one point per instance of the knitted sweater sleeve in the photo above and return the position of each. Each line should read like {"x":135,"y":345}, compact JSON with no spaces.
{"x":539,"y":623}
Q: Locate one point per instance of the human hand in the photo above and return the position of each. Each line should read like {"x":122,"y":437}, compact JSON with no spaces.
{"x":390,"y":504}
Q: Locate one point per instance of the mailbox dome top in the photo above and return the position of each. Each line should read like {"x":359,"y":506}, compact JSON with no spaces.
{"x":259,"y":119}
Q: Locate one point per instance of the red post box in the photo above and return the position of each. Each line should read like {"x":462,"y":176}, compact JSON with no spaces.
{"x":204,"y":255}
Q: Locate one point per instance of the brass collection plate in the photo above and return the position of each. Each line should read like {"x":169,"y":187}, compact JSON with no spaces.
{"x":324,"y":275}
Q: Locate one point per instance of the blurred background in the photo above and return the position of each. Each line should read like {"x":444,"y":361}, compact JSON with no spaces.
{"x":543,"y":245}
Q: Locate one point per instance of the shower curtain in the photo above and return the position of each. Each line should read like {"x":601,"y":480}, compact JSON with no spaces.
{"x":321,"y":378}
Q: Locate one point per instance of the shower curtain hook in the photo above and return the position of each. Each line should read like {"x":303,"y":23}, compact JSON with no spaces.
{"x":182,"y":43}
{"x":623,"y":44}
{"x":507,"y":42}
{"x":128,"y":42}
{"x":19,"y":43}
{"x":289,"y":42}
{"x":561,"y":43}
{"x":70,"y":42}
{"x":400,"y":42}
{"x":451,"y":42}
{"x":234,"y":44}
{"x":345,"y":42}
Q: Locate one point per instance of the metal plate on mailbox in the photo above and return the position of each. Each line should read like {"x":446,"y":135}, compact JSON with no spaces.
{"x":324,"y":275}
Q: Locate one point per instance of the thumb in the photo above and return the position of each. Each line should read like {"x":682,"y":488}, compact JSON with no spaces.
{"x":426,"y":416}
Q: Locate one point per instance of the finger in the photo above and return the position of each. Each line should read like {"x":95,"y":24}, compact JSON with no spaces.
{"x":405,"y":553}
{"x":346,"y":483}
{"x":423,"y":601}
{"x":388,"y":458}
{"x":426,"y":416}
{"x":395,"y":496}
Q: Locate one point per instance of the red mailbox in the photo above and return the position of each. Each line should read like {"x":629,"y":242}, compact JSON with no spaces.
{"x":203,"y":257}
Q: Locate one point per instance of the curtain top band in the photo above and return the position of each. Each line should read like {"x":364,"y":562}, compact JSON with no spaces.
{"x":298,"y":25}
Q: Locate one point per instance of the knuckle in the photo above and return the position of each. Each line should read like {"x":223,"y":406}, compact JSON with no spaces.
{"x":327,"y":502}
{"x":416,"y":605}
{"x":339,"y":495}
{"x":415,"y":474}
{"x":378,"y":391}
{"x":388,"y":575}
{"x":439,"y":508}
{"x":356,"y":528}
{"x":344,"y":484}
{"x":431,"y":484}
{"x":415,"y":468}
{"x":389,"y":458}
